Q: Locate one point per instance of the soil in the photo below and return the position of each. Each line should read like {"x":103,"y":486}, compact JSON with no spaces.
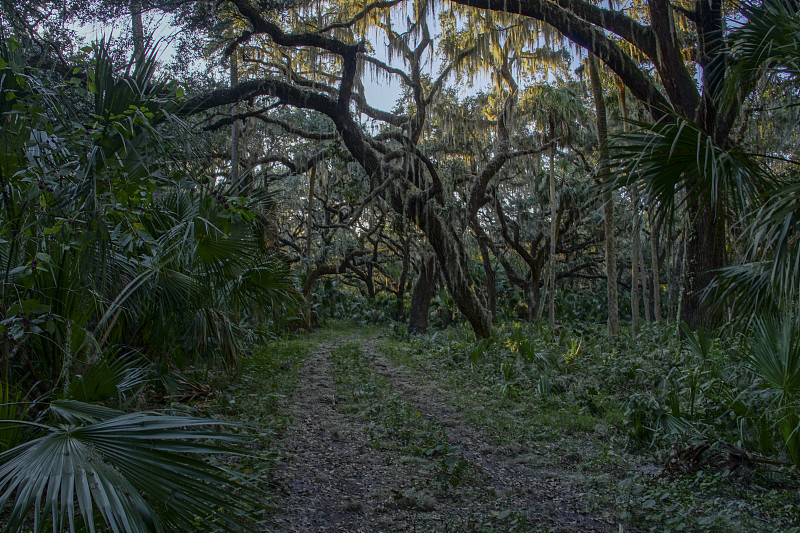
{"x":332,"y":479}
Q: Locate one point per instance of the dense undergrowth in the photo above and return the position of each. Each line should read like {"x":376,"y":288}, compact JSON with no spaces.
{"x":678,"y":435}
{"x":256,"y":398}
{"x":668,"y":433}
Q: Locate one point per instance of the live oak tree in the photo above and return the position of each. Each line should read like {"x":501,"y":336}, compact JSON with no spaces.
{"x":401,"y":175}
{"x":629,"y":46}
{"x":314,"y":58}
{"x":321,"y":73}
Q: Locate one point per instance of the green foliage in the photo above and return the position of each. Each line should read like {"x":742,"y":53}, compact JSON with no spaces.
{"x":630,"y":402}
{"x":134,"y":471}
{"x":768,"y":39}
{"x":109,"y":244}
{"x":451,"y":470}
{"x":774,"y":356}
{"x":116,"y":255}
{"x":397,"y":424}
{"x":696,"y":503}
{"x":11,"y":418}
{"x":675,"y":165}
{"x":110,"y":377}
{"x":767,"y":283}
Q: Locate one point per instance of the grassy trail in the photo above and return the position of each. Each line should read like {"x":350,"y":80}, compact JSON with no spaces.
{"x":363,"y":431}
{"x":374,"y":449}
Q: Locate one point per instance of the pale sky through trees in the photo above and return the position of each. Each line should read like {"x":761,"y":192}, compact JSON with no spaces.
{"x":380,"y":92}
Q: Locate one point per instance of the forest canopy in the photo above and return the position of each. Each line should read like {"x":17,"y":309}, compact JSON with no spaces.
{"x":174,"y":201}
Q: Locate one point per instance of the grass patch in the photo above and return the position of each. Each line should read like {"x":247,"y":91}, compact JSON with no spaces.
{"x":257,"y":398}
{"x":609,"y":413}
{"x":395,"y":425}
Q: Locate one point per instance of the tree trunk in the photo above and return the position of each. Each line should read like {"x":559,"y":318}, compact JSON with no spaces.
{"x":235,"y":126}
{"x":675,"y":279}
{"x":370,"y":278}
{"x":534,"y":295}
{"x":452,"y":258}
{"x":643,"y":271}
{"x":546,"y":284}
{"x":137,"y":30}
{"x":553,"y":229}
{"x":635,"y":311}
{"x":656,"y":270}
{"x":705,"y":253}
{"x":491,"y":287}
{"x":401,"y":285}
{"x":309,"y":226}
{"x":608,"y":200}
{"x":421,"y":296}
{"x":421,"y":207}
{"x":635,"y":315}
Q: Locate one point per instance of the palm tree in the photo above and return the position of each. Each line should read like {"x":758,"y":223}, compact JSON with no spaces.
{"x":681,"y":169}
{"x":558,"y":111}
{"x":108,"y":250}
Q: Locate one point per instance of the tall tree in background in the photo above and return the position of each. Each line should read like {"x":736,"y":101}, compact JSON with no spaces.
{"x":608,"y":199}
{"x":682,"y":101}
{"x":235,"y":126}
{"x":137,"y":30}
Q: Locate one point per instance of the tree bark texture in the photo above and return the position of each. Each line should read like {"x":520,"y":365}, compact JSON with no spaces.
{"x":645,"y":292}
{"x":309,"y":239}
{"x":137,"y":30}
{"x":235,"y":132}
{"x":401,"y":285}
{"x":705,"y":252}
{"x":553,"y":231}
{"x":608,"y":200}
{"x":637,"y":244}
{"x":674,"y":280}
{"x":534,"y":295}
{"x":424,"y":290}
{"x":491,"y":286}
{"x":655,"y":266}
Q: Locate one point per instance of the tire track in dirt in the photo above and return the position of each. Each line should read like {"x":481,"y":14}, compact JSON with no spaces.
{"x":545,"y":496}
{"x":327,"y":470}
{"x":330,"y":479}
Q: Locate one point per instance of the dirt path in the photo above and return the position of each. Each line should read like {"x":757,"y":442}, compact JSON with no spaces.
{"x":331,"y":479}
{"x":542,"y":494}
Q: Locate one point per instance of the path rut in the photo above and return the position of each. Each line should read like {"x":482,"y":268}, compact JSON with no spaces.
{"x":331,"y":479}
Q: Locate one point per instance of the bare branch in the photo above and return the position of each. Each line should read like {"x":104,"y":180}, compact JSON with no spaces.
{"x":360,"y":15}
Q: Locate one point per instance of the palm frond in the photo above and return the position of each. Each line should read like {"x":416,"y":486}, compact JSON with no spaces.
{"x":769,"y":39}
{"x":673,"y":164}
{"x":138,"y":472}
{"x":767,"y":282}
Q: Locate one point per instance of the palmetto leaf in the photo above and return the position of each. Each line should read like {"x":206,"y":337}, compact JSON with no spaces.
{"x":768,"y":282}
{"x":674,"y":163}
{"x":137,"y":472}
{"x":769,"y":38}
{"x":775,"y":357}
{"x":270,"y":281}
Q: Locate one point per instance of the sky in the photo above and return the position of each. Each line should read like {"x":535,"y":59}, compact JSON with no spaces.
{"x":380,"y":92}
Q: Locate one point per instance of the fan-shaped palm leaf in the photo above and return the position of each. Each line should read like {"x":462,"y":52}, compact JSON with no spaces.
{"x":768,"y":282}
{"x":135,"y":471}
{"x":674,"y":163}
{"x":775,"y":358}
{"x":769,"y":39}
